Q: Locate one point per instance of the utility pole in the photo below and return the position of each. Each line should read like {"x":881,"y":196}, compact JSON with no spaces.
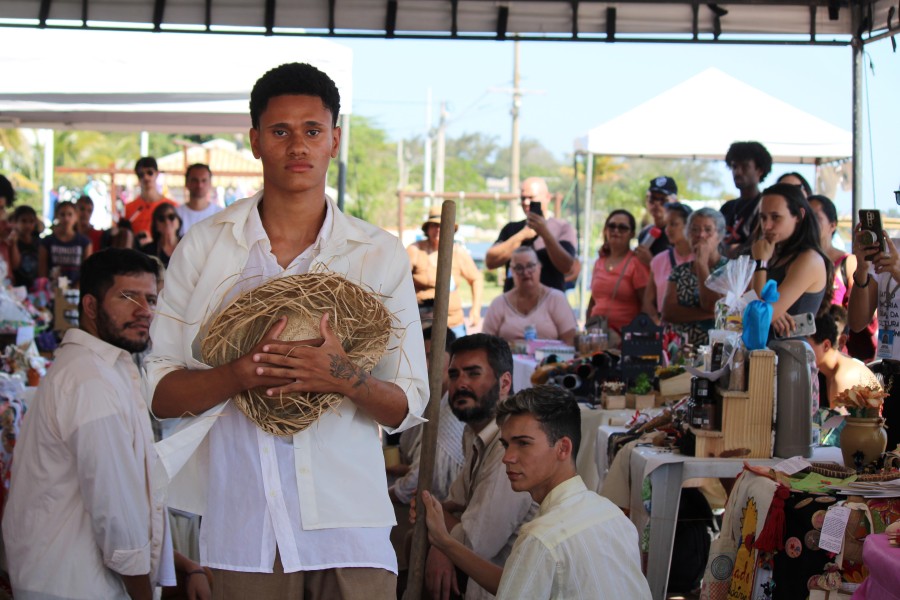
{"x":516,"y":104}
{"x":426,"y":177}
{"x":441,"y":150}
{"x":514,"y":151}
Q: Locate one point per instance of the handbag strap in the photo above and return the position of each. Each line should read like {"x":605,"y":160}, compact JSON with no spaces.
{"x":622,"y":274}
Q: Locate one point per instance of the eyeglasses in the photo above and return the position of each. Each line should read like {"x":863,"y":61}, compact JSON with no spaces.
{"x":618,"y":227}
{"x":169,"y":216}
{"x":147,"y":173}
{"x":527,"y":267}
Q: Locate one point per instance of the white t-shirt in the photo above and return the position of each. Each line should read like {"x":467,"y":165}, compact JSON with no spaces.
{"x":189,"y":216}
{"x":888,"y":316}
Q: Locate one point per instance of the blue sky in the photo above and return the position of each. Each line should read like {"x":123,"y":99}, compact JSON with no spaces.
{"x":577,"y":86}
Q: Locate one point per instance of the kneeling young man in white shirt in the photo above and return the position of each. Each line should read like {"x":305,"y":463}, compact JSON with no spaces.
{"x":557,"y":554}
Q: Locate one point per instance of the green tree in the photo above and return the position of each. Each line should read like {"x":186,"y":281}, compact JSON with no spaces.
{"x":371,"y":173}
{"x":20,"y":162}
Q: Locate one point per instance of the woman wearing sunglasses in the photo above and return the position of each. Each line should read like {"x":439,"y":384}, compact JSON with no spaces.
{"x":530,"y":303}
{"x":165,"y":231}
{"x":617,"y":286}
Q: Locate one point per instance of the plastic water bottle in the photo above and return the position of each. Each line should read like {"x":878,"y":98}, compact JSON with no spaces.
{"x":530,"y":333}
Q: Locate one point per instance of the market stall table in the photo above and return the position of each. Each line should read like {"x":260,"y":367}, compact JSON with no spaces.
{"x":601,"y":450}
{"x":668,"y":471}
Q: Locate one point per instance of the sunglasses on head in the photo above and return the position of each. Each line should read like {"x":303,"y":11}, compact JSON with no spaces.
{"x":618,"y":227}
{"x":169,"y":216}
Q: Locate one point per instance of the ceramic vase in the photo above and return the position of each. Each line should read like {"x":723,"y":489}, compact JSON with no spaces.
{"x":863,"y":440}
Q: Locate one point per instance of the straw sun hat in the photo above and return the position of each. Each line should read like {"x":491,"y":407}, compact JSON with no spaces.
{"x":434,"y":216}
{"x":357,"y":317}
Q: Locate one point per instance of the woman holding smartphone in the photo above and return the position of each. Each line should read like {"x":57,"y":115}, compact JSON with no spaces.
{"x":875,"y":285}
{"x":789,"y":251}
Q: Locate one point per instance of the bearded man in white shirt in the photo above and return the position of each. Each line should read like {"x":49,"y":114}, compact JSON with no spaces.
{"x":482,"y":512}
{"x":580,"y":546}
{"x":82,"y":521}
{"x":305,"y":516}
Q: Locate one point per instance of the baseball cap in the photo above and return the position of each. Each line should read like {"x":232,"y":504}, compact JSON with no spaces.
{"x":663,"y":184}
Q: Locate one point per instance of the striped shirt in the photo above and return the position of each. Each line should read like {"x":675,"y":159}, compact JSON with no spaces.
{"x":580,"y":546}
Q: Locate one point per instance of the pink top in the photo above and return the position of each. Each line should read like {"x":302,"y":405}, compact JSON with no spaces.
{"x":661,"y":267}
{"x":551,"y":317}
{"x":840,"y":288}
{"x":621,"y":307}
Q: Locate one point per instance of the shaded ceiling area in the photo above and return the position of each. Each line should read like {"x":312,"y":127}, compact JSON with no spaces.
{"x":737,"y":21}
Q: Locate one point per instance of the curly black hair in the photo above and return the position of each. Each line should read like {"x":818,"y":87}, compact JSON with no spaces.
{"x":740,"y":151}
{"x":297,"y":79}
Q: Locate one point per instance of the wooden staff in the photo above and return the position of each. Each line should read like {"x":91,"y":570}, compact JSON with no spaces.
{"x":432,"y":412}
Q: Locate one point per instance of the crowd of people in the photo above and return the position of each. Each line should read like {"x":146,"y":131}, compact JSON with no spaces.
{"x":310,"y":514}
{"x":151,"y":223}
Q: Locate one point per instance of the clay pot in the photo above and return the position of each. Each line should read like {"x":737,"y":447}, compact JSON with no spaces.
{"x":863,"y":440}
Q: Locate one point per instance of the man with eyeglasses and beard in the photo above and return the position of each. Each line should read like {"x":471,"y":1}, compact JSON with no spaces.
{"x":481,"y":511}
{"x":553,"y":239}
{"x":140,"y":210}
{"x":82,"y":520}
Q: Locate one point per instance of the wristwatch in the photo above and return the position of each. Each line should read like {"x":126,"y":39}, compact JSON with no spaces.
{"x":762,"y":265}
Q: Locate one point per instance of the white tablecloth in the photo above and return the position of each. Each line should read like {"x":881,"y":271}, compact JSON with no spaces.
{"x":523,"y":367}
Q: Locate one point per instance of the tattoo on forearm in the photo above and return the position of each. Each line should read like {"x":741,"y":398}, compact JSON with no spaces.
{"x":341,"y":368}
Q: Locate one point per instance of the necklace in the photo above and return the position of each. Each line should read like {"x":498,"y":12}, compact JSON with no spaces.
{"x":610,"y":265}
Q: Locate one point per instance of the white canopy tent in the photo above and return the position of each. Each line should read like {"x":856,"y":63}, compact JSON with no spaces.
{"x":143,"y":81}
{"x":698,"y":117}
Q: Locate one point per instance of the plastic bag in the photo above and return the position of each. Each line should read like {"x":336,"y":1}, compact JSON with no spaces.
{"x":758,"y":318}
{"x":731,"y":281}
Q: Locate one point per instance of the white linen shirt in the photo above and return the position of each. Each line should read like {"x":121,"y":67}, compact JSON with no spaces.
{"x":494,"y":512}
{"x":579,"y":547}
{"x":337,"y":479}
{"x":80,"y":510}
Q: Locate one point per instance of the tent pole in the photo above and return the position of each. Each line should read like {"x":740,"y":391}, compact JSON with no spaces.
{"x":342,"y":161}
{"x":857,"y":49}
{"x":46,"y":137}
{"x":586,"y":234}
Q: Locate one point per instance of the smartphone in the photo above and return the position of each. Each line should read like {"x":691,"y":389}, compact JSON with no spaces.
{"x":535,"y":208}
{"x":806,"y":326}
{"x":870,"y":219}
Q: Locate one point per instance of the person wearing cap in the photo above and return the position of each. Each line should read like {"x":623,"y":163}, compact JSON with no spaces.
{"x":750,"y":163}
{"x":553,"y":239}
{"x":423,"y":260}
{"x":662,"y":190}
{"x":140,"y":210}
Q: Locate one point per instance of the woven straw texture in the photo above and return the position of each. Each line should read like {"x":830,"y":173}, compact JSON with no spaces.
{"x":358,"y":318}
